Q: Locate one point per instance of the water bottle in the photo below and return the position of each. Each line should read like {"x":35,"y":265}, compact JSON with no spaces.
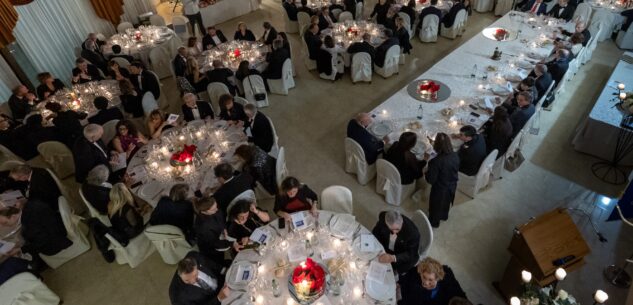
{"x":420,"y":112}
{"x":276,"y":288}
{"x":474,"y":73}
{"x":309,"y":248}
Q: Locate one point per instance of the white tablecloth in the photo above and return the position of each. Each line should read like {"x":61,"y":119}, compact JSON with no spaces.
{"x":598,"y":135}
{"x":141,"y":51}
{"x":226,"y":10}
{"x":606,"y":14}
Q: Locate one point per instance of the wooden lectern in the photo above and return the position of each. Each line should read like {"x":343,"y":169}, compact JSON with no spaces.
{"x":536,"y":245}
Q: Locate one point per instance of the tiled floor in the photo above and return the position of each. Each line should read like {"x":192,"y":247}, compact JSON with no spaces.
{"x":311,"y":124}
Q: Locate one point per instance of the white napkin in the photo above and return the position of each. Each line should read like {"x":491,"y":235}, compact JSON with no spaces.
{"x":10,"y":198}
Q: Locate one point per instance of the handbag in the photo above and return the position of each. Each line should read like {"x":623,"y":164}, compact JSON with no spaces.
{"x":258,"y":96}
{"x":513,"y":162}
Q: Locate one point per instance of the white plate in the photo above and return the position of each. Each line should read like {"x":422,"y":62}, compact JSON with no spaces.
{"x":220,"y":124}
{"x":513,"y":76}
{"x":380,"y":129}
{"x":500,"y":90}
{"x":343,"y":225}
{"x":235,"y":137}
{"x":365,"y":255}
{"x":524,"y":64}
{"x":380,"y":291}
{"x":150,"y":190}
{"x":231,"y":274}
{"x":535,"y":55}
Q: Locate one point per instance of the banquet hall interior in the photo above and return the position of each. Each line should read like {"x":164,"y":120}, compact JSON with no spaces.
{"x":507,"y":225}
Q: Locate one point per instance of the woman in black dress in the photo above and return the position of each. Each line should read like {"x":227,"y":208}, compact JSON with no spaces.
{"x":130,"y":99}
{"x":380,"y":11}
{"x":498,"y":132}
{"x":244,"y":218}
{"x":243,"y":33}
{"x":294,"y":197}
{"x":442,"y":175}
{"x":400,"y":155}
{"x":403,"y":36}
{"x":48,"y":85}
{"x":260,"y":165}
{"x":124,"y":214}
{"x":430,"y":283}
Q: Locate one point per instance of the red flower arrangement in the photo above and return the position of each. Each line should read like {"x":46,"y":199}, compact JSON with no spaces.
{"x":183,"y":157}
{"x":311,"y":273}
{"x":422,"y":1}
{"x":235,"y":53}
{"x":353,"y":31}
{"x":430,"y":86}
{"x":501,"y":34}
{"x":137,"y":36}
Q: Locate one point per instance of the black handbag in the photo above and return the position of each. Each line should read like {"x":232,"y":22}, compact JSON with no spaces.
{"x":258,"y":96}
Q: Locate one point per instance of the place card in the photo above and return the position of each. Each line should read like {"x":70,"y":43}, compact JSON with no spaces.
{"x":6,"y":246}
{"x":328,"y":254}
{"x":297,"y":253}
{"x":259,"y":236}
{"x":368,"y":243}
{"x":377,"y":271}
{"x":299,"y":221}
{"x":172,"y":118}
{"x":244,"y":273}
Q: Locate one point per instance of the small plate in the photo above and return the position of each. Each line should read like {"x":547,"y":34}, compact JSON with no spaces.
{"x":235,"y":137}
{"x":379,"y":291}
{"x":150,"y":190}
{"x":500,"y":90}
{"x":380,"y":129}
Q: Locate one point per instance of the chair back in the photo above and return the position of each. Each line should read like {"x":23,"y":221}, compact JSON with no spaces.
{"x":124,"y":26}
{"x":482,"y":179}
{"x":161,"y":62}
{"x":407,"y":22}
{"x":426,"y":232}
{"x":624,"y":40}
{"x":291,"y":26}
{"x":215,"y":90}
{"x":109,"y":131}
{"x":390,"y":66}
{"x":157,"y":20}
{"x":359,"y":10}
{"x":549,"y":89}
{"x":255,"y":84}
{"x":361,"y":67}
{"x":483,"y":6}
{"x":149,"y":103}
{"x":59,"y":157}
{"x":460,"y":21}
{"x":583,"y":13}
{"x":179,"y":23}
{"x":274,"y":151}
{"x":287,"y":81}
{"x":93,"y":211}
{"x":62,"y":188}
{"x":122,"y":62}
{"x":337,"y":199}
{"x":136,"y":251}
{"x":245,"y":195}
{"x":169,"y":241}
{"x":336,"y":12}
{"x":240,"y":100}
{"x":355,"y":162}
{"x":8,"y":154}
{"x":9,"y":165}
{"x":388,"y":183}
{"x":280,"y":166}
{"x":70,"y":220}
{"x":430,"y":25}
{"x":344,"y":16}
{"x":593,"y":43}
{"x":26,"y":289}
{"x":304,"y":20}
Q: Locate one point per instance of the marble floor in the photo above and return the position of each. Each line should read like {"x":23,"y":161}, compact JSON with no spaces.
{"x":311,"y":124}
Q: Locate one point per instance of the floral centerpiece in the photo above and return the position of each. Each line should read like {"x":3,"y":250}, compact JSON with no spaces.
{"x":138,"y":36}
{"x":352,"y":31}
{"x":307,"y":282}
{"x":422,"y":1}
{"x":501,"y":34}
{"x":183,"y":157}
{"x":627,"y":103}
{"x":536,"y":295}
{"x":235,"y":54}
{"x":429,"y":89}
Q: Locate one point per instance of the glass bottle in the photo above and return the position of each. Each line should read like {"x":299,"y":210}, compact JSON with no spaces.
{"x":474,"y":73}
{"x":276,"y":288}
{"x":420,"y":112}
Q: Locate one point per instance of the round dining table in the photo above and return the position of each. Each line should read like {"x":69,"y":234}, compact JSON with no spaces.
{"x":343,"y":247}
{"x":138,"y":42}
{"x":351,"y":31}
{"x":80,"y":97}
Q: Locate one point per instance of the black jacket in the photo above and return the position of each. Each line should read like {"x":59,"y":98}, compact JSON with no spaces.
{"x":414,"y":294}
{"x":306,"y":10}
{"x":498,"y":139}
{"x":542,"y":84}
{"x":261,"y":131}
{"x":19,"y":107}
{"x":240,"y":183}
{"x":180,"y":65}
{"x":403,"y":38}
{"x":312,"y":41}
{"x":519,"y":118}
{"x":148,"y":83}
{"x":442,"y":175}
{"x":94,"y":74}
{"x":276,"y":61}
{"x":323,"y":24}
{"x":324,"y":61}
{"x":350,"y":6}
{"x":98,"y":196}
{"x":380,"y":11}
{"x":127,"y":224}
{"x":304,"y":193}
{"x":239,"y":231}
{"x":409,"y":171}
{"x":42,"y":89}
{"x":557,"y":68}
{"x":69,"y":125}
{"x":36,"y":135}
{"x":249,"y":36}
{"x":203,"y":107}
{"x":132,"y":104}
{"x":106,"y":115}
{"x":43,"y":188}
{"x":585,"y":33}
{"x":381,"y":51}
{"x":567,"y":13}
{"x":410,"y":12}
{"x":406,"y":246}
{"x":372,"y":146}
{"x":175,"y":213}
{"x":43,"y":229}
{"x":449,"y":19}
{"x":208,"y":42}
{"x":221,"y":75}
{"x":291,"y":10}
{"x":181,"y":293}
{"x":471,"y":155}
{"x":363,"y":46}
{"x":209,"y":229}
{"x":235,"y":114}
{"x":87,"y":156}
{"x":272,"y":34}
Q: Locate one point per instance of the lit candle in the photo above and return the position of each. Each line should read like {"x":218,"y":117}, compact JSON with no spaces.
{"x":199,"y":134}
{"x":481,"y":87}
{"x":284,"y":244}
{"x":515,"y":301}
{"x":337,"y":243}
{"x":526,"y":276}
{"x":622,"y":95}
{"x":352,"y":265}
{"x":154,"y":165}
{"x":384,"y":112}
{"x":181,"y":138}
{"x":259,"y":299}
{"x":621,"y":86}
{"x":560,"y":274}
{"x":600,"y":296}
{"x":309,"y":235}
{"x":261,"y":269}
{"x":168,"y":169}
{"x":461,"y":102}
{"x":290,"y":301}
{"x":357,"y":292}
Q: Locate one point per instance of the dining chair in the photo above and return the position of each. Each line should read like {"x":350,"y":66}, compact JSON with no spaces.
{"x":170,"y":242}
{"x":471,"y":185}
{"x":26,"y":289}
{"x":286,"y":82}
{"x":337,"y":199}
{"x":355,"y":162}
{"x":388,"y":183}
{"x":137,"y":250}
{"x":426,"y":232}
{"x":361,"y":68}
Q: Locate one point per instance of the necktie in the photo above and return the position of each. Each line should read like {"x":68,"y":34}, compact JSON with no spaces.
{"x":534,"y":7}
{"x":203,"y":284}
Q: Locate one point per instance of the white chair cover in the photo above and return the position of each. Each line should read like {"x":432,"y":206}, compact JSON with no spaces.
{"x":407,"y":23}
{"x":345,"y":16}
{"x":256,"y":83}
{"x":149,"y":103}
{"x":605,"y":19}
{"x":470,"y":185}
{"x":573,"y":66}
{"x":390,"y":67}
{"x":428,"y":32}
{"x":169,"y":241}
{"x":483,"y":6}
{"x":157,"y":20}
{"x":124,"y":26}
{"x":305,"y":54}
{"x":136,"y":251}
{"x":583,"y":13}
{"x":246,"y":195}
{"x":388,"y":183}
{"x":9,"y":165}
{"x":550,"y":88}
{"x":458,"y":26}
{"x":93,"y":211}
{"x":304,"y":20}
{"x":336,"y":12}
{"x":355,"y":162}
{"x":291,"y":26}
{"x":109,"y":131}
{"x":160,"y":85}
{"x":74,"y":232}
{"x":287,"y":81}
{"x":591,"y":46}
{"x":179,"y":24}
{"x":280,"y":166}
{"x":361,"y":67}
{"x":426,"y":232}
{"x":337,"y":199}
{"x":359,"y":10}
{"x":504,"y":6}
{"x":59,"y":157}
{"x":26,"y":289}
{"x":240,"y":100}
{"x":161,"y":62}
{"x":274,"y":151}
{"x":7,"y":154}
{"x":121,"y":61}
{"x":625,"y":39}
{"x":215,"y":90}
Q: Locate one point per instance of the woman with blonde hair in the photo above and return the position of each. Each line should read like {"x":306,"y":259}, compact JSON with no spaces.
{"x":123,"y":212}
{"x":243,"y":33}
{"x":156,"y":123}
{"x":198,"y":80}
{"x":429,"y":283}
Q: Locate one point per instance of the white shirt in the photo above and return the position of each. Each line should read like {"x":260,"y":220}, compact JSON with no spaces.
{"x":213,"y":283}
{"x":392,"y":241}
{"x":196,"y":113}
{"x":190,"y":7}
{"x":140,"y":82}
{"x":216,"y":39}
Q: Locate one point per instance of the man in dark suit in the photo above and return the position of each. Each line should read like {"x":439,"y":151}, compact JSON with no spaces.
{"x":473,"y":152}
{"x":89,"y":151}
{"x":326,"y":19}
{"x":116,"y":52}
{"x":86,"y":69}
{"x":43,"y":229}
{"x":258,"y":128}
{"x":304,"y":8}
{"x":231,"y":111}
{"x":357,"y":131}
{"x":197,"y":282}
{"x":381,"y":50}
{"x":34,"y":133}
{"x":104,"y":114}
{"x":312,"y":40}
{"x":21,"y":102}
{"x":628,"y":14}
{"x":291,"y":9}
{"x":523,"y":113}
{"x":143,"y":80}
{"x":581,"y":27}
{"x":194,"y":110}
{"x":562,"y":10}
{"x":430,"y":10}
{"x":276,"y":60}
{"x":449,"y":18}
{"x":231,"y":185}
{"x":180,"y":62}
{"x":270,"y":33}
{"x":543,"y":79}
{"x":221,"y":74}
{"x":559,"y":65}
{"x":213,"y":38}
{"x":209,"y":227}
{"x":363,"y":46}
{"x":38,"y":184}
{"x":400,"y":238}
{"x":536,"y":7}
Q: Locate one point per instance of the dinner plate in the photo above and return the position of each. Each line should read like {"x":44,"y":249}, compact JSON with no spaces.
{"x":220,"y":124}
{"x":343,"y":225}
{"x":380,"y":129}
{"x":379,"y":291}
{"x":231,"y":275}
{"x":500,"y":90}
{"x":513,"y":76}
{"x":535,"y":55}
{"x":150,"y":190}
{"x":235,"y":137}
{"x":356,"y":245}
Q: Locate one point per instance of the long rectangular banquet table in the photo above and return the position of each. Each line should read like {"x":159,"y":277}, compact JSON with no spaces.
{"x":402,"y":110}
{"x":598,"y":134}
{"x":224,"y":10}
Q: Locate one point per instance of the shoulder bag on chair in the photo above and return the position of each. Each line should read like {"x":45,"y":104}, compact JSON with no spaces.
{"x":513,"y":162}
{"x":258,"y":96}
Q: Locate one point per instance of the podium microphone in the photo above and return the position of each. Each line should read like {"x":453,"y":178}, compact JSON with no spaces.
{"x":601,"y":237}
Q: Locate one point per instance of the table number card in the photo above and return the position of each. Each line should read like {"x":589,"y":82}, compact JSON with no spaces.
{"x":299,"y":221}
{"x":244,"y":273}
{"x":260,"y":236}
{"x":172,"y":118}
{"x":367,"y":243}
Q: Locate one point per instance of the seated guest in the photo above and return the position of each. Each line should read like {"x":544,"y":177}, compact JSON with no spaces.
{"x":244,"y":218}
{"x":400,"y":238}
{"x":37,"y":133}
{"x":116,"y":52}
{"x":581,"y":28}
{"x":442,"y":175}
{"x":42,"y":229}
{"x":291,"y":9}
{"x":221,"y":74}
{"x":542,"y":79}
{"x":473,"y":152}
{"x":231,"y":111}
{"x":285,"y":43}
{"x":232,"y":185}
{"x":85,"y":72}
{"x":127,"y":139}
{"x":270,"y":34}
{"x":326,"y":19}
{"x":116,"y":72}
{"x":335,"y":51}
{"x":325,"y":62}
{"x":293,"y":197}
{"x":628,"y":14}
{"x":258,"y":128}
{"x":37,"y":184}
{"x":312,"y":40}
{"x":430,"y":10}
{"x":48,"y":85}
{"x":562,"y":10}
{"x":559,"y":65}
{"x":104,"y":114}
{"x":244,"y":70}
{"x":156,"y":124}
{"x":96,"y":189}
{"x":357,"y":131}
{"x":194,"y":110}
{"x":449,"y":18}
{"x":89,"y":151}
{"x":467,"y":7}
{"x":576,"y":42}
{"x":363,"y":46}
{"x":209,"y":227}
{"x":198,"y":281}
{"x":21,"y":102}
{"x":409,"y":9}
{"x":9,"y":132}
{"x":522,"y":113}
{"x":243,"y":33}
{"x":304,"y":8}
{"x":536,"y":7}
{"x":400,"y":155}
{"x":213,"y":38}
{"x":124,"y":214}
{"x":130,"y":99}
{"x":381,"y":50}
{"x":144,"y":81}
{"x":276,"y":60}
{"x":498,"y":132}
{"x":193,"y":47}
{"x":180,"y":62}
{"x":350,"y":6}
{"x":430,"y":283}
{"x":67,"y":122}
{"x":197,"y":79}
{"x":259,"y":165}
{"x":175,"y":209}
{"x":403,"y":36}
{"x":526,"y":85}
{"x":380,"y":11}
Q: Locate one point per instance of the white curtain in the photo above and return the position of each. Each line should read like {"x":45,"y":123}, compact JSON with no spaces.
{"x":133,"y":8}
{"x":8,"y":80}
{"x":48,"y":32}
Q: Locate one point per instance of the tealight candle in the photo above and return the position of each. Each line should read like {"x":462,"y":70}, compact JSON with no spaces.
{"x":284,"y":244}
{"x":515,"y":301}
{"x":622,"y":95}
{"x":384,"y":112}
{"x":481,"y":87}
{"x":199,"y":134}
{"x":289,"y":301}
{"x":560,"y":274}
{"x":154,"y":165}
{"x":526,"y":276}
{"x":259,"y":299}
{"x":181,"y":138}
{"x":337,"y":243}
{"x":462,"y":103}
{"x":357,"y":292}
{"x":621,"y":86}
{"x":352,"y":265}
{"x":309,"y":235}
{"x":168,"y":169}
{"x":600,"y":296}
{"x":261,"y":269}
